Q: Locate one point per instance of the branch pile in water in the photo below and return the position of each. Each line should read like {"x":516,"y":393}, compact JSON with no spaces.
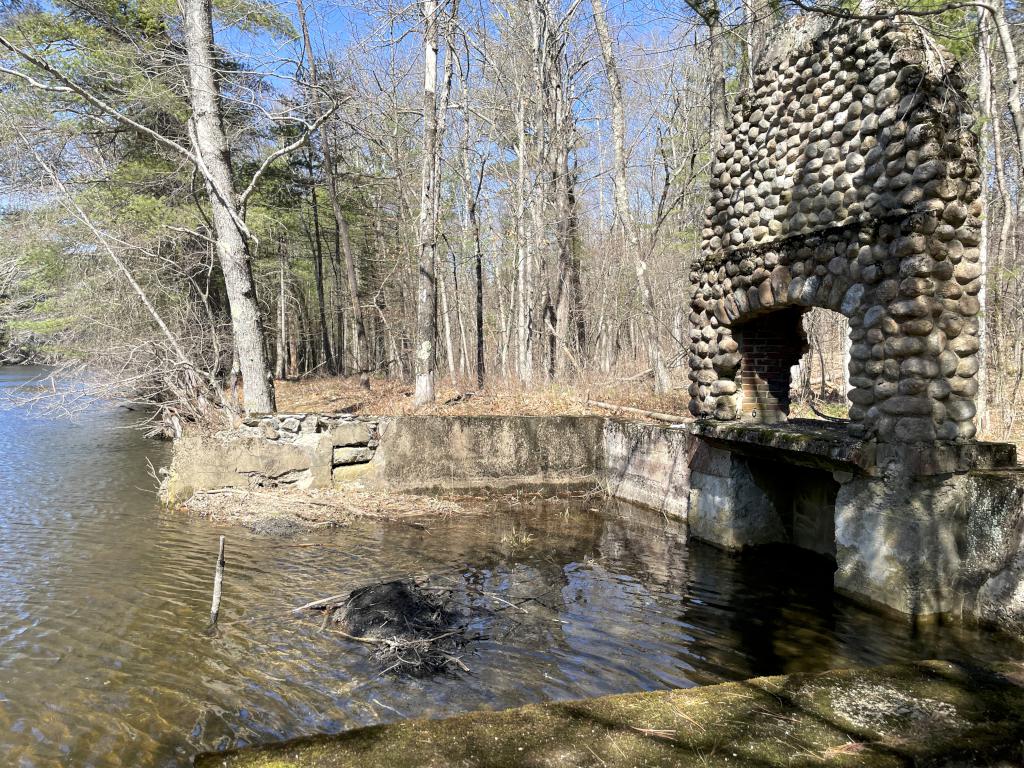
{"x":412,"y":631}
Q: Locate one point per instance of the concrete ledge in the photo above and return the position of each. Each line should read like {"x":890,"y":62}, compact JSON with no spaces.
{"x":825,"y":445}
{"x":931,"y":713}
{"x":802,"y":442}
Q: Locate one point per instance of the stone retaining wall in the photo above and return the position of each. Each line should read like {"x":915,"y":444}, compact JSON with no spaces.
{"x":304,"y":450}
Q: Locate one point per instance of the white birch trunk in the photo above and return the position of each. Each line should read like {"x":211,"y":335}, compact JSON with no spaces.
{"x":426,"y":295}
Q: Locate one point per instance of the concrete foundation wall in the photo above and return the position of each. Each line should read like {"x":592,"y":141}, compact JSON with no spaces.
{"x":951,"y":544}
{"x":728,"y":506}
{"x":408,"y":453}
{"x":439,"y":453}
{"x":946,"y":543}
{"x":649,"y":465}
{"x":992,"y":547}
{"x":739,"y":501}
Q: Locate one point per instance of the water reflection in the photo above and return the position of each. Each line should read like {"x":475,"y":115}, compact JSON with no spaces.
{"x":104,"y":596}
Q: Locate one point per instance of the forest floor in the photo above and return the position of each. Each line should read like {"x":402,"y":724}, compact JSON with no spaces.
{"x":389,"y":397}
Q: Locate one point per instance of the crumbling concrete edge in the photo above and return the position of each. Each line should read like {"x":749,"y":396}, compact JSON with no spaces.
{"x":928,"y":713}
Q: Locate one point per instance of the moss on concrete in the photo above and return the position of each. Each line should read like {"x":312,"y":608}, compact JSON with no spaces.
{"x":932,"y":713}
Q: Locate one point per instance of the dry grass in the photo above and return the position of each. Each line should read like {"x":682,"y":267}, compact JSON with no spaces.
{"x":286,"y":510}
{"x":388,"y":397}
{"x":517,"y":538}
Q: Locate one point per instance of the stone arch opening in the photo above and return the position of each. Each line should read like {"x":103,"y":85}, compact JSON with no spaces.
{"x":792,"y":360}
{"x":758,"y":350}
{"x":821,"y":381}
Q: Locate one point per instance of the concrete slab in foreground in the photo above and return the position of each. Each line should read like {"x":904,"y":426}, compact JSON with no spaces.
{"x":932,"y":713}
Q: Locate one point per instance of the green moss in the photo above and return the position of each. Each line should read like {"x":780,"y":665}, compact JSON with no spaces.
{"x":46,"y":326}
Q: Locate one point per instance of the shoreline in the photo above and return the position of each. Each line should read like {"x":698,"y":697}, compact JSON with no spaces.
{"x":285,"y":510}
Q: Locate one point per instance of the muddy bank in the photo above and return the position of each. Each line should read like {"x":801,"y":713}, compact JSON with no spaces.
{"x":930,"y":713}
{"x":287,"y":510}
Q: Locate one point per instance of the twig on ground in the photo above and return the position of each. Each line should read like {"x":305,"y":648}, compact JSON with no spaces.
{"x":335,"y":599}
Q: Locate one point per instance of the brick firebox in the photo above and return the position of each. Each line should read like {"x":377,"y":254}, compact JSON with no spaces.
{"x":769,"y":345}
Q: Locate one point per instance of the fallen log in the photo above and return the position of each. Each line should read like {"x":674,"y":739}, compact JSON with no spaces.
{"x":322,"y":602}
{"x":656,"y":415}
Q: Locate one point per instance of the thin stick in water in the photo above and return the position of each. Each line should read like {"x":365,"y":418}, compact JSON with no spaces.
{"x":218,"y":580}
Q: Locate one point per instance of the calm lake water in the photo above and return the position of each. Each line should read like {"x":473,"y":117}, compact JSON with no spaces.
{"x":104,"y":596}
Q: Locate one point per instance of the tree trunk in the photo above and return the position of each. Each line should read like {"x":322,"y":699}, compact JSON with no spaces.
{"x":481,"y":365}
{"x":442,"y":286}
{"x":749,"y":25}
{"x":560,"y":181}
{"x":306,"y":355}
{"x":472,"y":187}
{"x":985,"y":100}
{"x":711,"y":15}
{"x":426,"y":295}
{"x":621,"y":194}
{"x":1013,"y":93}
{"x":505,"y":322}
{"x":318,"y":271}
{"x":457,"y":301}
{"x":281,"y":368}
{"x":211,"y":146}
{"x":524,"y":305}
{"x":358,"y":320}
{"x":575,"y":279}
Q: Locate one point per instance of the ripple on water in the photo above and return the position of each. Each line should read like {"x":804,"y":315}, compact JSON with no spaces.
{"x":104,"y":596}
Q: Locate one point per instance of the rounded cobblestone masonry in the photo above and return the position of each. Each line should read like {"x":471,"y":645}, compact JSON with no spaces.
{"x":849,"y":180}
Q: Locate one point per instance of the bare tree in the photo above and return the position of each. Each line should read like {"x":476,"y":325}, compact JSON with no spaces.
{"x":710,"y":13}
{"x":625,"y":219}
{"x":211,"y":155}
{"x":351,"y":275}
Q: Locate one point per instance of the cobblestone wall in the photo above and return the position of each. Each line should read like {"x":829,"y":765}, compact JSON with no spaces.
{"x":849,"y":180}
